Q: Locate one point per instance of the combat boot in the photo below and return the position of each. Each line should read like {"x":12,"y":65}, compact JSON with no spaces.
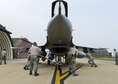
{"x":30,"y":73}
{"x":74,"y":74}
{"x":92,"y":65}
{"x":36,"y":74}
{"x":95,"y":65}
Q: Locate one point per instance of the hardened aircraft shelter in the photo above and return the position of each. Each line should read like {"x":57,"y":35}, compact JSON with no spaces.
{"x":6,"y":42}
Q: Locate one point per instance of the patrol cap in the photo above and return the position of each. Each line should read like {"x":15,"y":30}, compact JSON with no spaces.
{"x":34,"y":43}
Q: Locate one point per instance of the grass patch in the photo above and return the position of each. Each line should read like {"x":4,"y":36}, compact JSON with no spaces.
{"x":105,"y":58}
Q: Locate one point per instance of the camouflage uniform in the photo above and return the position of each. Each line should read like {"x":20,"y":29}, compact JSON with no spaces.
{"x":3,"y":56}
{"x":72,"y":59}
{"x":34,"y":53}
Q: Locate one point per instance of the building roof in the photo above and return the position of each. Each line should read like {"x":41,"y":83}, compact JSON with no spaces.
{"x":21,"y":42}
{"x":2,"y":28}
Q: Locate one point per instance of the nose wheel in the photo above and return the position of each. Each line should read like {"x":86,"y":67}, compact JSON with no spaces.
{"x":58,"y":60}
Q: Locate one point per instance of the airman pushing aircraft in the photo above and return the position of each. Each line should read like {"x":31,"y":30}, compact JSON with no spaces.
{"x":90,"y":57}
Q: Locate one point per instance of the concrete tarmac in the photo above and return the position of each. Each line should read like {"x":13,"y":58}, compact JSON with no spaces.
{"x":13,"y":73}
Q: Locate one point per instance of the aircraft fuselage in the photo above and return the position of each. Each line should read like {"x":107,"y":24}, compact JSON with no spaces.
{"x":59,"y":34}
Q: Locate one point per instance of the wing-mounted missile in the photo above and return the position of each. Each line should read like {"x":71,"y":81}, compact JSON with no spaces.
{"x":81,"y":54}
{"x":65,"y":6}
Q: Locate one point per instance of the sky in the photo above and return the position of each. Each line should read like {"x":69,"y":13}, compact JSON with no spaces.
{"x":95,"y":22}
